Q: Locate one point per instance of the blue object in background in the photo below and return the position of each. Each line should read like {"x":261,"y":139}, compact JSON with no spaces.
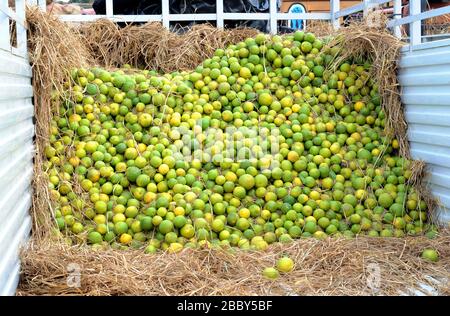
{"x":299,"y":24}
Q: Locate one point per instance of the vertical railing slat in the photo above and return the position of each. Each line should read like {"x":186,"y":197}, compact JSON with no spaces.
{"x":43,"y":5}
{"x":165,"y":13}
{"x":273,"y":16}
{"x":397,"y":15}
{"x":21,"y":32}
{"x":4,"y":26}
{"x":109,"y":8}
{"x":415,"y":28}
{"x":219,"y":12}
{"x":334,"y":8}
{"x":366,"y":7}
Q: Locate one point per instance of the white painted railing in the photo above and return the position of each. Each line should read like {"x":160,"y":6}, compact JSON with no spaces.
{"x":364,"y":7}
{"x":17,"y":17}
{"x":334,"y":16}
{"x":220,"y":16}
{"x":414,"y":20}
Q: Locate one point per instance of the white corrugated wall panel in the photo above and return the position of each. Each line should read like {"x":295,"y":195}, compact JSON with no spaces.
{"x":16,"y":164}
{"x":425,"y":80}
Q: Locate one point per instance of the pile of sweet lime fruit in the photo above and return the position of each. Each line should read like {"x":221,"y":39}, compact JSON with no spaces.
{"x":264,"y":142}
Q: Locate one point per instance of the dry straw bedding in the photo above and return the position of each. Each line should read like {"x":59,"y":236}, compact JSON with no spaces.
{"x":153,"y":46}
{"x":330,"y":267}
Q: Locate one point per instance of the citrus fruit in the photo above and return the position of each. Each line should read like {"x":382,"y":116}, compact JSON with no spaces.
{"x":285,"y":264}
{"x":271,"y":273}
{"x":430,"y":254}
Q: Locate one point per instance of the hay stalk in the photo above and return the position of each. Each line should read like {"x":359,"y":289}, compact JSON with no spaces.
{"x":330,"y":267}
{"x":54,"y":50}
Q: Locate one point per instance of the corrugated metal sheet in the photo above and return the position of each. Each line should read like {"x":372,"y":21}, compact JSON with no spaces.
{"x":425,"y":80}
{"x":16,"y":168}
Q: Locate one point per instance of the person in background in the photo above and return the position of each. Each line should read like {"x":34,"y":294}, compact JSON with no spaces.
{"x":58,"y":8}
